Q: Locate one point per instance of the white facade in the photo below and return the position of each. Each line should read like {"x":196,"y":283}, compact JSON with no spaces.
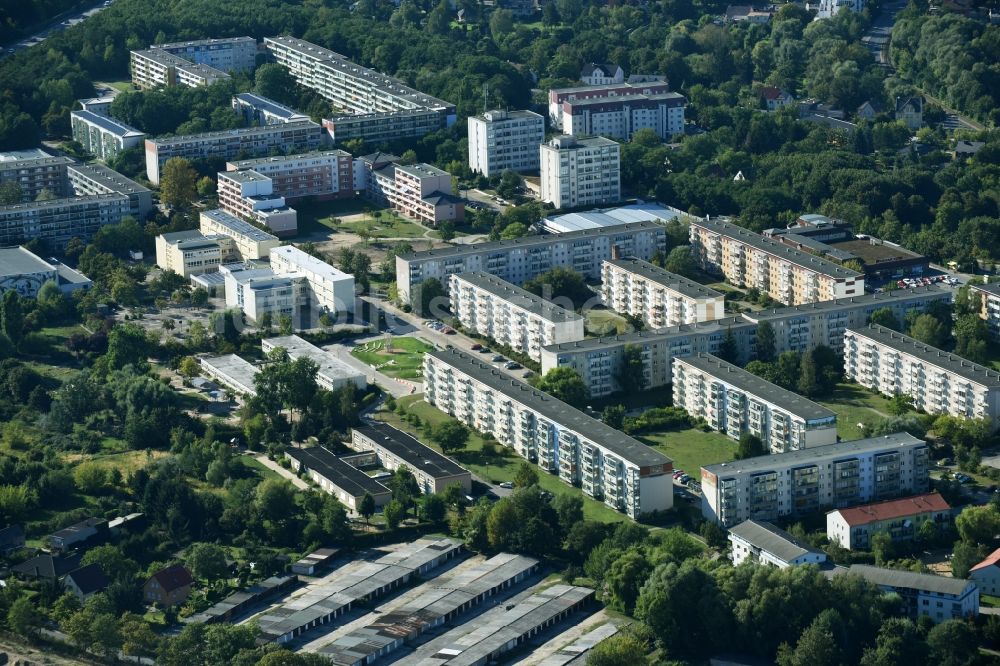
{"x":487,"y":305}
{"x":621,"y":117}
{"x":607,"y":464}
{"x":96,"y":178}
{"x":580,"y":172}
{"x":259,"y":291}
{"x":734,"y":401}
{"x":153,"y":68}
{"x":939,"y":382}
{"x":605,"y":74}
{"x":986,"y":574}
{"x":330,"y":289}
{"x":501,"y":140}
{"x":657,"y":296}
{"x":248,"y":194}
{"x":853,"y":527}
{"x":764,"y":543}
{"x":830,"y":8}
{"x":940,"y":598}
{"x":333,"y":373}
{"x":59,"y":220}
{"x":805,"y":481}
{"x":250,"y":243}
{"x":229,"y":54}
{"x":102,"y":136}
{"x":190,"y":253}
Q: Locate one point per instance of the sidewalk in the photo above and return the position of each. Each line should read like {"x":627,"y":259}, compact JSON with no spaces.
{"x":281,"y":471}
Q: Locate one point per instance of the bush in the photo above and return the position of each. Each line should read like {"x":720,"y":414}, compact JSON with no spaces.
{"x":662,"y":418}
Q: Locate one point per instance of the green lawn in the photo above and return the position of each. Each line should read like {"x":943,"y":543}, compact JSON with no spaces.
{"x":389,"y":225}
{"x":380,"y":222}
{"x":404,"y":361}
{"x":497,"y":468}
{"x":855,"y":404}
{"x":605,"y":322}
{"x":692,"y":449}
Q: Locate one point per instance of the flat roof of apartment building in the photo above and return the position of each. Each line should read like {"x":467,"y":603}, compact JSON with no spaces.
{"x":638,"y":337}
{"x":501,"y":115}
{"x":571,"y":418}
{"x":567,"y":142}
{"x":665,"y":278}
{"x":348,"y":478}
{"x":778,"y":249}
{"x":607,"y":86}
{"x":533,"y":241}
{"x":518,"y":297}
{"x":748,"y":382}
{"x":203,"y":70}
{"x":108,"y":177}
{"x":239,"y":165}
{"x":812,"y":455}
{"x":64,"y":201}
{"x":204,"y":42}
{"x":244,"y":176}
{"x":772,"y":539}
{"x":330,"y":366}
{"x":307,"y":262}
{"x":107,"y":124}
{"x":160,"y":56}
{"x":19,"y":261}
{"x":422,"y":170}
{"x":237,"y":225}
{"x":671,"y":98}
{"x":236,"y":133}
{"x":947,"y":361}
{"x":30,"y":159}
{"x":410,"y":450}
{"x":886,"y":298}
{"x":990,"y":288}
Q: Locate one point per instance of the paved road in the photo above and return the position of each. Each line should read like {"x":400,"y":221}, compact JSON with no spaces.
{"x":57,"y":23}
{"x":878,"y":36}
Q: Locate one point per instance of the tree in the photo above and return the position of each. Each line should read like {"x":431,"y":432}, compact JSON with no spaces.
{"x":682,"y":605}
{"x":207,"y":561}
{"x":881,"y":547}
{"x":12,"y":317}
{"x":808,"y":381}
{"x":622,"y":649}
{"x":632,"y":371}
{"x":565,"y":384}
{"x":367,"y":507}
{"x":23,"y":617}
{"x":750,"y":446}
{"x":206,"y":187}
{"x":928,"y":329}
{"x":501,"y":22}
{"x":525,"y":475}
{"x":565,"y":286}
{"x":900,"y":404}
{"x":884,"y":317}
{"x":952,"y":643}
{"x":614,"y":416}
{"x":766,"y":345}
{"x":510,"y":184}
{"x":450,"y":436}
{"x":128,"y":344}
{"x":433,"y":507}
{"x":275,"y":82}
{"x":275,"y":498}
{"x":512,"y":231}
{"x":978,"y":524}
{"x":965,"y":556}
{"x":393,"y":513}
{"x":680,"y":261}
{"x":625,"y":578}
{"x":503,"y":525}
{"x":818,"y":645}
{"x":729,"y":349}
{"x":898,"y":644}
{"x":428,"y":297}
{"x":189,"y":367}
{"x":178,"y":183}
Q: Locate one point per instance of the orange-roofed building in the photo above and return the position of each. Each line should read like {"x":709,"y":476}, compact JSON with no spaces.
{"x":986,"y":574}
{"x":853,"y":527}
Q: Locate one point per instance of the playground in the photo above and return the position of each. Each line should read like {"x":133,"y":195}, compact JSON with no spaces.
{"x":402,"y":357}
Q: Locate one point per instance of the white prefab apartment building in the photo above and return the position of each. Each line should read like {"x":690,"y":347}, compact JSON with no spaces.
{"x":102,"y":136}
{"x":327,"y":174}
{"x":33,"y":171}
{"x":91,"y":179}
{"x":192,"y":252}
{"x":734,"y":401}
{"x":58,"y":220}
{"x":419,"y":191}
{"x":937,"y":597}
{"x":249,"y":195}
{"x":989,"y":306}
{"x":518,"y":260}
{"x":228,"y":54}
{"x":559,"y":96}
{"x":500,"y":140}
{"x":939,"y":382}
{"x":765,"y":543}
{"x":154,"y":68}
{"x":853,"y":527}
{"x":657,"y":296}
{"x":333,"y":373}
{"x":297,"y":136}
{"x":488,"y":306}
{"x":330,"y":289}
{"x":784,"y":273}
{"x":580,"y":172}
{"x":809,"y":480}
{"x":621,"y":117}
{"x":606,"y":463}
{"x":250,"y":243}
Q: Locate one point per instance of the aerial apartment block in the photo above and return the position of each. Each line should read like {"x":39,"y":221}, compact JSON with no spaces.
{"x":228,"y":54}
{"x":853,"y":527}
{"x":606,"y":463}
{"x":298,"y":136}
{"x":92,"y":179}
{"x":250,"y":243}
{"x":937,"y":597}
{"x":580,"y":172}
{"x":558,"y":96}
{"x":622,"y":116}
{"x":784,"y":273}
{"x":259,"y":110}
{"x":518,"y":260}
{"x":374,"y":107}
{"x":56,"y":221}
{"x":155,"y":68}
{"x":500,"y":140}
{"x":765,"y":543}
{"x":487,"y":305}
{"x":434,"y":472}
{"x":939,"y":382}
{"x":809,"y":480}
{"x":798,"y":328}
{"x":34,"y":170}
{"x":320,"y":175}
{"x":989,"y":304}
{"x":657,"y":296}
{"x":249,"y":195}
{"x":101,"y":136}
{"x":418,"y":191}
{"x":330,"y":290}
{"x":338,"y":477}
{"x":192,"y":252}
{"x":333,"y":373}
{"x":734,"y":401}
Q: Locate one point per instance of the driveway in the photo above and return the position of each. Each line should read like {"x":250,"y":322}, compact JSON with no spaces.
{"x":281,"y":471}
{"x":62,"y":21}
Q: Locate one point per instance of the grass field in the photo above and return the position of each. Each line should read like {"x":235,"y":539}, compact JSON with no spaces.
{"x":125,"y":462}
{"x":692,"y":449}
{"x":605,"y":322}
{"x":854,"y":404}
{"x":405,"y":361}
{"x":495,"y":468}
{"x":380,"y":223}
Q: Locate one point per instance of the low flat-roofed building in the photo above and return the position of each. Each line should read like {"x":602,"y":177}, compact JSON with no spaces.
{"x":333,"y":373}
{"x":102,"y":136}
{"x":87,"y":179}
{"x":34,"y":170}
{"x":487,"y":305}
{"x":259,"y":110}
{"x":189,"y":253}
{"x":25,"y":272}
{"x":318,"y":559}
{"x":434,"y":471}
{"x":657,"y":296}
{"x":853,"y":527}
{"x":938,"y":597}
{"x":59,"y":220}
{"x":346,"y":483}
{"x":87,"y":530}
{"x":734,"y":401}
{"x":99,"y":105}
{"x":231,"y":371}
{"x":765,"y":543}
{"x":330,"y":289}
{"x":610,"y":217}
{"x":250,"y":242}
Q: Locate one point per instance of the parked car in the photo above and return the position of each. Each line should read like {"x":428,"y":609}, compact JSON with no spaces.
{"x":506,"y":484}
{"x":485,"y":350}
{"x":476,"y":347}
{"x":497,"y":358}
{"x":512,"y":365}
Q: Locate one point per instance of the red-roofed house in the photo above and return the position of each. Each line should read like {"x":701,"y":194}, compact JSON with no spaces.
{"x":168,"y":587}
{"x":775,"y":98}
{"x":853,"y":527}
{"x":986,"y":574}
